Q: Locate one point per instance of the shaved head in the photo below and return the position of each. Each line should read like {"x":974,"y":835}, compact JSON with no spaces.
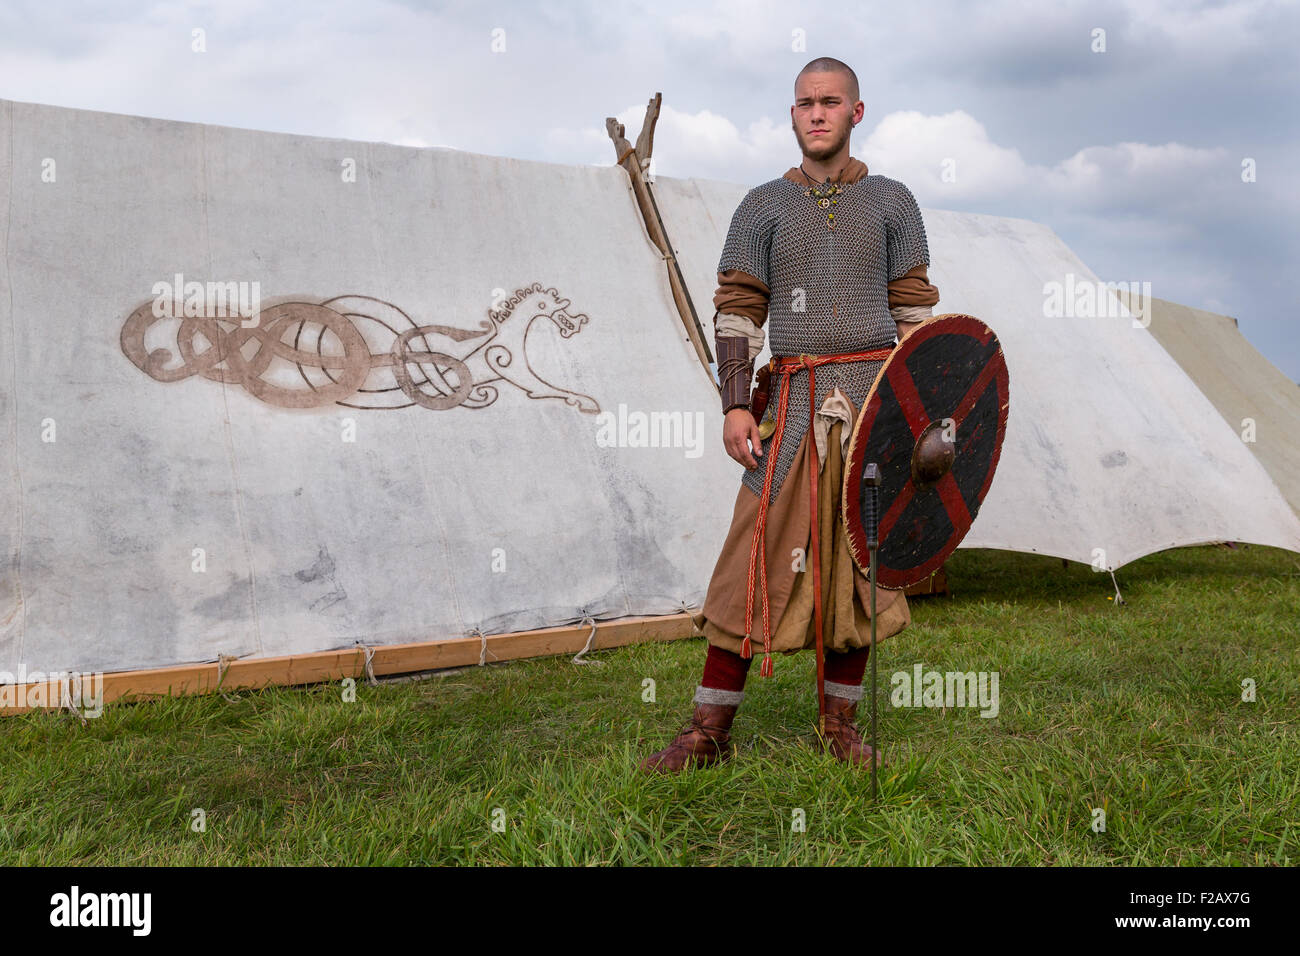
{"x":826,"y":108}
{"x":828,"y":64}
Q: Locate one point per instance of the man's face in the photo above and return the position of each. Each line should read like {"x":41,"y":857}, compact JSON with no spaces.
{"x":822,"y":116}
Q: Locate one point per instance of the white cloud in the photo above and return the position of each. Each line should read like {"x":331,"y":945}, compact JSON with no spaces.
{"x":917,"y":149}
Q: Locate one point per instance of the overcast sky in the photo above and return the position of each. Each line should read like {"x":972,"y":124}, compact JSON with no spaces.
{"x":1132,"y":155}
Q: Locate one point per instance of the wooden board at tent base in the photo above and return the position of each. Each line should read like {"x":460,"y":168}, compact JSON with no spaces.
{"x":339,"y":664}
{"x":935,"y":583}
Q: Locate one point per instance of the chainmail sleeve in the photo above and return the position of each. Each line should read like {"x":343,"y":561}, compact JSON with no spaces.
{"x":749,"y":239}
{"x":905,"y":243}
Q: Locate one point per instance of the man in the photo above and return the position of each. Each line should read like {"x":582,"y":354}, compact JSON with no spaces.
{"x":834,"y":261}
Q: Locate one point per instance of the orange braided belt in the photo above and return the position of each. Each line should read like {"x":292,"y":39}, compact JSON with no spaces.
{"x":786,"y":366}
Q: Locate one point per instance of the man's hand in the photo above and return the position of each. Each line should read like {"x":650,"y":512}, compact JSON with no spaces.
{"x":739,"y":432}
{"x":905,"y":329}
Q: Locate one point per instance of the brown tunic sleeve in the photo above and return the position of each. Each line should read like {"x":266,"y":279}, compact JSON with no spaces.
{"x":741,"y":294}
{"x":912,"y":288}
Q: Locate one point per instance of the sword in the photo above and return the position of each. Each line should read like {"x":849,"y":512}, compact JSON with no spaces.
{"x":871,"y":522}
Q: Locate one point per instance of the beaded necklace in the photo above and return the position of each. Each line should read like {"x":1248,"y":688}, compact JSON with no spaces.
{"x":823,"y":194}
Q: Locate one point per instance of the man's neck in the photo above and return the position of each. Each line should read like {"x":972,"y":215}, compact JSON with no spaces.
{"x":829,"y":168}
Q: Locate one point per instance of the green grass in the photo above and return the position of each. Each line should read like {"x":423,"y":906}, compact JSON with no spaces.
{"x":1136,"y":709}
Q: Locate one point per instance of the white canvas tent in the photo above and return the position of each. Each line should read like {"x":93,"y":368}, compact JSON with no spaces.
{"x":1257,"y":401}
{"x":1111,"y":451}
{"x":146,"y":522}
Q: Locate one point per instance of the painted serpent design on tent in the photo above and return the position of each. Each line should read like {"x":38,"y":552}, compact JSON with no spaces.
{"x":437,"y":367}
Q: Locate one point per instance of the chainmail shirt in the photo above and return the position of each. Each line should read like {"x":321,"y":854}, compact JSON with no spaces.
{"x":828,"y":287}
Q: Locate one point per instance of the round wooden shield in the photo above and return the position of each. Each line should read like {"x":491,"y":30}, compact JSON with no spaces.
{"x":933,"y":422}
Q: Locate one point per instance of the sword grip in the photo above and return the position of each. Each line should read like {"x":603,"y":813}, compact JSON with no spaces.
{"x":871,"y":504}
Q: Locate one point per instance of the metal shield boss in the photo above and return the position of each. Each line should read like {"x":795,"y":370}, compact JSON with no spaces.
{"x":934,"y":422}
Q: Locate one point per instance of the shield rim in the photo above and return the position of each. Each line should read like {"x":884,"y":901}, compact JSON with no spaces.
{"x":855,"y":533}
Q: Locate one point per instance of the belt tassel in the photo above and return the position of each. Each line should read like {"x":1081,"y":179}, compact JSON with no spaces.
{"x":758,"y":547}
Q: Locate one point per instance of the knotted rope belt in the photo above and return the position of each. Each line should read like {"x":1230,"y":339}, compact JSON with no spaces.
{"x":786,"y":366}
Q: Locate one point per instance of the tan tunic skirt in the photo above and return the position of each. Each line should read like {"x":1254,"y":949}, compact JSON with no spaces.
{"x":846,"y":593}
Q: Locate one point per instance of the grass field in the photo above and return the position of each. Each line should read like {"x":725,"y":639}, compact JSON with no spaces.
{"x":1137,"y":710}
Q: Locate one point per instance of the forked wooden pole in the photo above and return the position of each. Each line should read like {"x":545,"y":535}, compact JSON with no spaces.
{"x":636,"y":161}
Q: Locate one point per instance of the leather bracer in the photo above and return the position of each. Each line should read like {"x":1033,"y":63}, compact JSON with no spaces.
{"x":735,"y":370}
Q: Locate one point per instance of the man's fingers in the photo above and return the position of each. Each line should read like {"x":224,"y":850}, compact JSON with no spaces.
{"x":738,"y":448}
{"x":749,"y":461}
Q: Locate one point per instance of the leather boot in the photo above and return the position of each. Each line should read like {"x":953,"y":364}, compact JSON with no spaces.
{"x":842,"y":738}
{"x":703,"y":742}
